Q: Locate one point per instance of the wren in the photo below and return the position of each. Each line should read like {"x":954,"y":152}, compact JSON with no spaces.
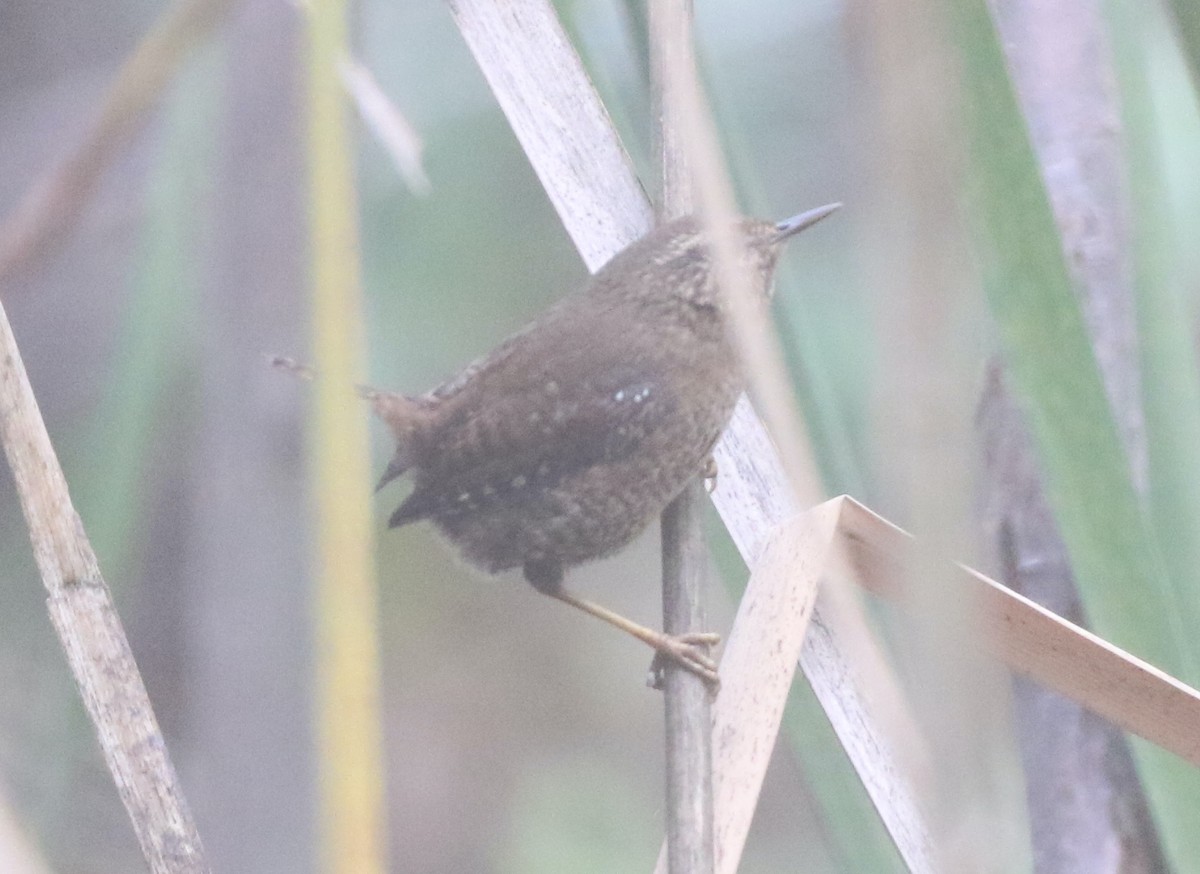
{"x":567,"y":440}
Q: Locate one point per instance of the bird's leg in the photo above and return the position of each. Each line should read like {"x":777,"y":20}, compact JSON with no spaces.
{"x":689,"y":651}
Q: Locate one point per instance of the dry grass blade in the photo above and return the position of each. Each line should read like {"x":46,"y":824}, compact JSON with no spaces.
{"x":90,"y":631}
{"x":840,"y":658}
{"x":757,"y":668}
{"x":560,"y":122}
{"x":53,"y":203}
{"x":389,"y":125}
{"x":1030,"y":639}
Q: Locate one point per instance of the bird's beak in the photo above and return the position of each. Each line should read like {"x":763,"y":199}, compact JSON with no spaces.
{"x":797,"y":223}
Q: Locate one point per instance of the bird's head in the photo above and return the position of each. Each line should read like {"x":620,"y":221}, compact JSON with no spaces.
{"x":676,"y":260}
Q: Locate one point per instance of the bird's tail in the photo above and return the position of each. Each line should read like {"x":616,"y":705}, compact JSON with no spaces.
{"x":405,"y":417}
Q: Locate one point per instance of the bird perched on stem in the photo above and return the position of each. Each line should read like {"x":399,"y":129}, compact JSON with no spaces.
{"x":567,"y":440}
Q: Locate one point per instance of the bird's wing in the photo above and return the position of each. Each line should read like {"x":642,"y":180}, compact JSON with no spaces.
{"x":537,"y":429}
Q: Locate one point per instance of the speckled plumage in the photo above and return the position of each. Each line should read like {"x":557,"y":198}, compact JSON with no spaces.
{"x":572,"y":436}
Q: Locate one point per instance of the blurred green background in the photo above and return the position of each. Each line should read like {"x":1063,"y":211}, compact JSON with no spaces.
{"x":519,"y":737}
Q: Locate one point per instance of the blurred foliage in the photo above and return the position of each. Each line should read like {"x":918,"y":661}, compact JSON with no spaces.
{"x":576,"y":815}
{"x":1115,"y":553}
{"x":148,"y":359}
{"x":520,"y":741}
{"x":352,"y":809}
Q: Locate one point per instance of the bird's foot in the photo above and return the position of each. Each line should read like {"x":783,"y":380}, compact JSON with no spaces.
{"x":689,"y":651}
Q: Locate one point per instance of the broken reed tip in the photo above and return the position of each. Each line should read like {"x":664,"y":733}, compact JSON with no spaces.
{"x":292,"y":366}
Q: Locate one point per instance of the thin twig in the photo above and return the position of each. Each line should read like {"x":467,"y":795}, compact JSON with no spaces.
{"x":687,"y":701}
{"x":687,"y":698}
{"x":90,"y":631}
{"x":54,"y":202}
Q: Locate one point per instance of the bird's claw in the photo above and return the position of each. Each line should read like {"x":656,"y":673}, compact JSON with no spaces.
{"x":689,"y":651}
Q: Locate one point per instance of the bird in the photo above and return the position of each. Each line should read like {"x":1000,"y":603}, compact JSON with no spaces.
{"x":568,"y":439}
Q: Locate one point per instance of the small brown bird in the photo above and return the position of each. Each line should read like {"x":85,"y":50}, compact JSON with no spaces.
{"x":565,"y":442}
